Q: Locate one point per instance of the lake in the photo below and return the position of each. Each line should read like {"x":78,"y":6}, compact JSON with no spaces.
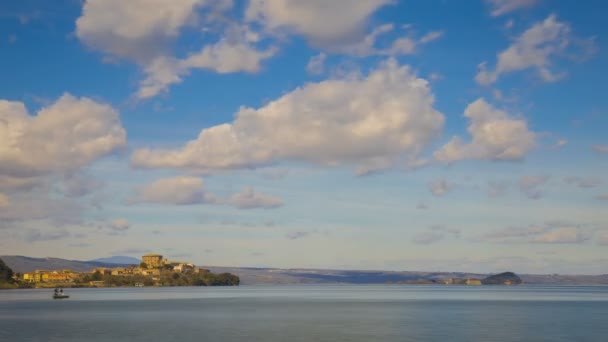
{"x":308,"y":313}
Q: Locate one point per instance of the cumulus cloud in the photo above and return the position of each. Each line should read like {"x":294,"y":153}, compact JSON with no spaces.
{"x":440,"y":187}
{"x":250,"y":199}
{"x":233,"y":53}
{"x":501,"y":7}
{"x":373,"y":122}
{"x":138,"y":29}
{"x":600,"y":148}
{"x":536,"y":48}
{"x":316,"y":64}
{"x":435,"y":234}
{"x":530,"y":186}
{"x":144,"y":31}
{"x":62,"y":137}
{"x":180,"y":190}
{"x":495,"y":136}
{"x":322,"y":23}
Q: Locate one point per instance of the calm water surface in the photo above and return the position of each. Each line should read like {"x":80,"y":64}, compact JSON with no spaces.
{"x":308,"y":313}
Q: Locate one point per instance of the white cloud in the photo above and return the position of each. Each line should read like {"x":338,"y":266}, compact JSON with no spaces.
{"x":322,"y":23}
{"x":535,"y":48}
{"x":440,"y":187}
{"x":501,"y":7}
{"x":62,"y":137}
{"x":137,"y":30}
{"x":250,"y":199}
{"x":231,"y":54}
{"x":495,"y":136}
{"x":316,"y":64}
{"x":600,"y":148}
{"x":79,"y":185}
{"x":372,"y":122}
{"x":144,"y":31}
{"x":180,"y":190}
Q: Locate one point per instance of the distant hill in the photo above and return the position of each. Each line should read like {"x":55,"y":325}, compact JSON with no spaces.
{"x":23,"y":264}
{"x":271,"y":276}
{"x":118,"y":259}
{"x":506,"y":278}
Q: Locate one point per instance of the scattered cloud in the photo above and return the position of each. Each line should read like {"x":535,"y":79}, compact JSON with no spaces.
{"x":373,"y":122}
{"x":180,"y":190}
{"x":316,"y":64}
{"x":591,"y":182}
{"x":12,"y":38}
{"x":495,"y":136}
{"x":502,"y":7}
{"x":536,"y":48}
{"x":440,"y":187}
{"x":32,"y":146}
{"x":368,"y":46}
{"x":600,"y":148}
{"x":435,"y":234}
{"x":144,"y":31}
{"x":322,"y":23}
{"x":530,"y":186}
{"x":603,"y":197}
{"x":250,"y":199}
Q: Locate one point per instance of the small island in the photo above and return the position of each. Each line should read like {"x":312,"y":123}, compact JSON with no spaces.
{"x":154,"y":270}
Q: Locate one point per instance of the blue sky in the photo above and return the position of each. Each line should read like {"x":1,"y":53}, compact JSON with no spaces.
{"x":401,"y":135}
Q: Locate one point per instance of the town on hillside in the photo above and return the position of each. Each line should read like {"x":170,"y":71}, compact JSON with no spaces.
{"x":154,"y":270}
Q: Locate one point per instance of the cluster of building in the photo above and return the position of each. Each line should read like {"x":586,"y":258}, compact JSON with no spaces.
{"x":151,"y":265}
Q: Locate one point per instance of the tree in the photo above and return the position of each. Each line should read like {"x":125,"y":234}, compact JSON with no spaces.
{"x":143,"y":265}
{"x":6,"y":274}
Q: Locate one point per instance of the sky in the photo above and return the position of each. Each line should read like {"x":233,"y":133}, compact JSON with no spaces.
{"x":430,"y":135}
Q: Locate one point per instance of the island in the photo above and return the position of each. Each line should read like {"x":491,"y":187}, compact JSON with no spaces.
{"x":154,"y":270}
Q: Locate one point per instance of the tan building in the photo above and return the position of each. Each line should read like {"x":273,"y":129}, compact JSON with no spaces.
{"x":152,"y":260}
{"x":473,"y":282}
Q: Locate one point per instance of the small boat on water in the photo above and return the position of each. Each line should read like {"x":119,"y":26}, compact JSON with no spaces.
{"x":59,"y":294}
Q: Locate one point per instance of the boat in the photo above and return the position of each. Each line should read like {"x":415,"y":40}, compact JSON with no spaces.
{"x":59,"y":294}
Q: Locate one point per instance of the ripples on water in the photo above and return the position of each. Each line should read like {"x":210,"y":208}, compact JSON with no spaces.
{"x":308,"y":313}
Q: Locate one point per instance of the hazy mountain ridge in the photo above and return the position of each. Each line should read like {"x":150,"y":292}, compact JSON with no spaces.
{"x":275,"y":276}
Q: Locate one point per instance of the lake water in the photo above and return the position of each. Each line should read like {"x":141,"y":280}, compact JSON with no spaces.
{"x":308,"y":313}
